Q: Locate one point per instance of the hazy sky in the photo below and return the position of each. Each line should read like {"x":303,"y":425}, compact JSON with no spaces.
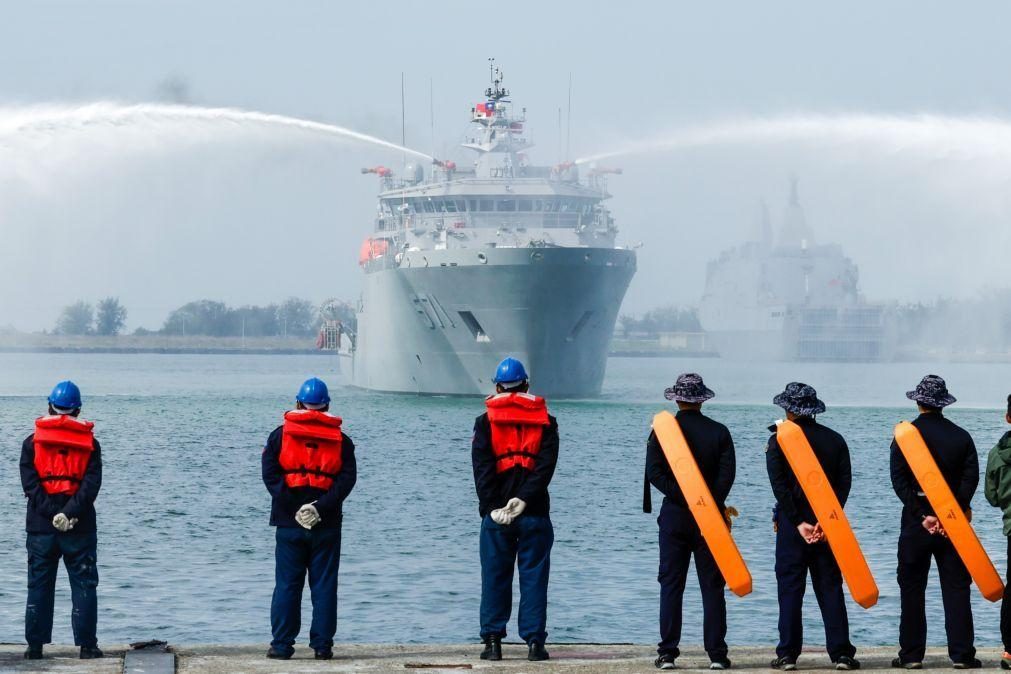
{"x":255,"y":217}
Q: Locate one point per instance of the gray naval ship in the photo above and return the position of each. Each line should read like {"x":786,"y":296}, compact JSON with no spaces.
{"x":790,"y":299}
{"x":471,"y":264}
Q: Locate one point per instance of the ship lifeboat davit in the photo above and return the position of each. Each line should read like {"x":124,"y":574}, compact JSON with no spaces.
{"x":371,"y":249}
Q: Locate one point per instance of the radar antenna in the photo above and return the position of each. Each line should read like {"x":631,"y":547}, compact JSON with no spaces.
{"x":495,"y":92}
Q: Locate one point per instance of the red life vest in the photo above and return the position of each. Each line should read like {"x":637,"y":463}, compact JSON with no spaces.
{"x":517,"y":424}
{"x":311,"y":448}
{"x":63,"y":447}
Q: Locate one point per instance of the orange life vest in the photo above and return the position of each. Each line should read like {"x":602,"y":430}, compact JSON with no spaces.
{"x":517,"y":424}
{"x":311,"y":448}
{"x":63,"y":447}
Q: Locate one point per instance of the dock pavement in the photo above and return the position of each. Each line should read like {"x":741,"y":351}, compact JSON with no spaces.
{"x":583,"y":658}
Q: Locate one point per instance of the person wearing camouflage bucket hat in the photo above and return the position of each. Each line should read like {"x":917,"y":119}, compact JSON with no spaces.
{"x":689,"y":388}
{"x":680,"y":538}
{"x":800,"y":541}
{"x":932,"y":393}
{"x":922,"y":535}
{"x":799,"y":399}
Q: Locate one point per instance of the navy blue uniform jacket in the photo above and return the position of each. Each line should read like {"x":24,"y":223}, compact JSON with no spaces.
{"x":955,"y":453}
{"x":287,"y":500}
{"x":42,"y":507}
{"x":713,"y":449}
{"x":495,"y":489}
{"x":832,"y":453}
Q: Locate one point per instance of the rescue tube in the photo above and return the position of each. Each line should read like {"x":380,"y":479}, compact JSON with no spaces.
{"x":830,"y":513}
{"x":954,"y":521}
{"x":702,"y":504}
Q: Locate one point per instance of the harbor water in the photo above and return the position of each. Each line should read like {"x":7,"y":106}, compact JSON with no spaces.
{"x":186,"y":554}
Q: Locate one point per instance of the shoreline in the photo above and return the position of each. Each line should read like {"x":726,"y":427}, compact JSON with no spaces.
{"x":587,"y":658}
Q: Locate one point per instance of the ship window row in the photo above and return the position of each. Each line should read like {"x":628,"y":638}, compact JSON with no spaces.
{"x":495,"y":205}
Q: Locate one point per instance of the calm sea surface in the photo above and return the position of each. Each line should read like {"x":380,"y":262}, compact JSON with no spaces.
{"x":186,"y":555}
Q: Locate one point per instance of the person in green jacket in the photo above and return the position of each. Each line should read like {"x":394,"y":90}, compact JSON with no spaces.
{"x":998,"y":494}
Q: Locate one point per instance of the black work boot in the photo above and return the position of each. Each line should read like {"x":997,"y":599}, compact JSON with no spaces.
{"x":33,"y":653}
{"x":91,"y":653}
{"x":324,"y":654}
{"x":492,"y":648}
{"x":274,"y":654}
{"x":536,"y":652}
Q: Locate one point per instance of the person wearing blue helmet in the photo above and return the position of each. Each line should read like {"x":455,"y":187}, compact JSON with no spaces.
{"x":514,"y":452}
{"x":61,"y":474}
{"x":309,"y":469}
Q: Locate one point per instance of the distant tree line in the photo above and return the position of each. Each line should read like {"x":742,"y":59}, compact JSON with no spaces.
{"x":81,"y":318}
{"x":661,"y":319}
{"x":294,"y":317}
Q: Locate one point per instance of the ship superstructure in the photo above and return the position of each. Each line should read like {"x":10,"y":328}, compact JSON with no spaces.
{"x":790,"y":298}
{"x":474,"y":263}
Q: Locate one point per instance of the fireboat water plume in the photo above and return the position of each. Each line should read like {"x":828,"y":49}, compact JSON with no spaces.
{"x":936,"y":136}
{"x":48,"y":122}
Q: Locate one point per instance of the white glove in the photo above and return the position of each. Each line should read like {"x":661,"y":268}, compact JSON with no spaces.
{"x":516,"y":507}
{"x":308,"y":516}
{"x":501,"y":516}
{"x":63,"y":523}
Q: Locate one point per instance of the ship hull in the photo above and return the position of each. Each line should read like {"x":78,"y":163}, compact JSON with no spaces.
{"x":441,"y":320}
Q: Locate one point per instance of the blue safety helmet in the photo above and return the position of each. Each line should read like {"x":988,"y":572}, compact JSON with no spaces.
{"x":66,"y":396}
{"x":313,"y":392}
{"x":510,"y":371}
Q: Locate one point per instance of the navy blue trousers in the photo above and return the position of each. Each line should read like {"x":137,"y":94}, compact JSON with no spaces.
{"x":916,"y":547}
{"x":526,"y":543}
{"x":680,"y":539}
{"x":1005,"y":605}
{"x":298,"y":551}
{"x":80,"y":557}
{"x":794,"y":558}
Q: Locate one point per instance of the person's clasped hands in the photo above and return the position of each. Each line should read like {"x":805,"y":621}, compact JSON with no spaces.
{"x":509,"y":512}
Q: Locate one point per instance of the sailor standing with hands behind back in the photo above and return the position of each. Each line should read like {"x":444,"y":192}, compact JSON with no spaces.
{"x":514,"y":451}
{"x":61,"y":474}
{"x":309,"y":469}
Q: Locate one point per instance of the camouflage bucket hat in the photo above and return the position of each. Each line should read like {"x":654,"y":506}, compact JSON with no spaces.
{"x":932,"y":392}
{"x":800,"y":399}
{"x":689,"y":388}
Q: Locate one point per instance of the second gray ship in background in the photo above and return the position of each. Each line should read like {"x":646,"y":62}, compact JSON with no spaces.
{"x":789,"y":298}
{"x":499,"y":258}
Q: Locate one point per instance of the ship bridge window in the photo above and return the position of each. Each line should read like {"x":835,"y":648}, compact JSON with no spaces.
{"x":472,"y":204}
{"x":461,"y":205}
{"x":487,"y":205}
{"x":524,"y":205}
{"x":538,"y":205}
{"x":506,"y":205}
{"x":429,"y":207}
{"x":440,"y":205}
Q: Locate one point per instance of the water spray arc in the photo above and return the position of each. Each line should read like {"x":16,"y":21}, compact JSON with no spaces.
{"x":934,"y":135}
{"x":50,"y":119}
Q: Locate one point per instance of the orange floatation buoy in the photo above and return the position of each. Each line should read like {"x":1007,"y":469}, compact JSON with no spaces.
{"x":701,"y":504}
{"x":830,"y":513}
{"x":942,"y":500}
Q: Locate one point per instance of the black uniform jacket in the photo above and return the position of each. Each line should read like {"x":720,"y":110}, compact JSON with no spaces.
{"x":955,"y":453}
{"x":495,"y":489}
{"x":833,"y":455}
{"x":42,"y":507}
{"x":713,"y":449}
{"x":287,"y":500}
